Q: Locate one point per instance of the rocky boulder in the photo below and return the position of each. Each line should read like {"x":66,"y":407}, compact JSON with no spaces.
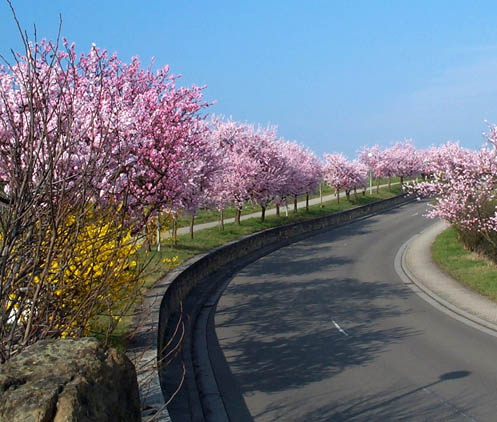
{"x":69,"y":380}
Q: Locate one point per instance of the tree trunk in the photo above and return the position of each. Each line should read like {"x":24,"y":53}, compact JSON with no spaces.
{"x":192,"y":222}
{"x":321,"y":194}
{"x":347,"y":194}
{"x":175,"y":230}
{"x":221,"y":221}
{"x":307,"y":202}
{"x":158,"y":231}
{"x":338,"y":195}
{"x":295,"y":203}
{"x":378,"y":185}
{"x":237,"y":216}
{"x":401,"y":181}
{"x":278,"y":210}
{"x":263,"y":212}
{"x":389,"y":182}
{"x":355,"y":193}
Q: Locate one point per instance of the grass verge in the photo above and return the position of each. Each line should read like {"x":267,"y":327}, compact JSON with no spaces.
{"x":470,"y":269}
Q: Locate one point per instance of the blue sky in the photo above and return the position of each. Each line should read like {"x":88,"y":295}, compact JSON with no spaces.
{"x":333,"y":75}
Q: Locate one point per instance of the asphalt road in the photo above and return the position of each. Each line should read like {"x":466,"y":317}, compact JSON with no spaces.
{"x":325,"y":330}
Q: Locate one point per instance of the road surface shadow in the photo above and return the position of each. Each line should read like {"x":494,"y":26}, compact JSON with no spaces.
{"x":280,"y":335}
{"x":276,"y":322}
{"x":313,"y":252}
{"x":399,"y":402}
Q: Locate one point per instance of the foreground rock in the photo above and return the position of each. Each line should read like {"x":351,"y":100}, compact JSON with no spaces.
{"x":69,"y":380}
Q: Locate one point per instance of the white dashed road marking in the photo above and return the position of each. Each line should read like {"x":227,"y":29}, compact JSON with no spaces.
{"x":339,"y":328}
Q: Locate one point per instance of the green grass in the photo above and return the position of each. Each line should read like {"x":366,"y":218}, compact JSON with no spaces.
{"x":470,"y":269}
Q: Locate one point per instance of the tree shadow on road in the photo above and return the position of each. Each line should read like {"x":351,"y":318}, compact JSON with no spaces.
{"x":398,"y":402}
{"x":313,"y":251}
{"x":279,"y":334}
{"x":282,"y":333}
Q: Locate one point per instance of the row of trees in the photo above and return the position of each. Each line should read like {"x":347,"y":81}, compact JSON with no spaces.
{"x":258,"y":167}
{"x":243,"y":164}
{"x":400,"y":160}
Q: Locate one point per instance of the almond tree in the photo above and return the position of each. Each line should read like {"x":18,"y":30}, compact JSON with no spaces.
{"x":343,"y":174}
{"x":231,"y":185}
{"x":304,"y":175}
{"x":203,"y":171}
{"x":334,"y":172}
{"x":403,"y":160}
{"x":253,"y":170}
{"x":65,"y":200}
{"x":375,"y":161}
{"x":360,"y":176}
{"x":312,"y":173}
{"x":269,"y":170}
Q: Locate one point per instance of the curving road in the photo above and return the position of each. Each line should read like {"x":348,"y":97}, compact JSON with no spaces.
{"x":325,"y":330}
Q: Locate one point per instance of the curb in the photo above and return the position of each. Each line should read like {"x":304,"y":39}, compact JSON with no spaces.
{"x":433,"y":298}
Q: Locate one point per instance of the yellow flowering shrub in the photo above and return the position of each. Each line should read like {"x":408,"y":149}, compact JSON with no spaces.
{"x":85,"y":270}
{"x":76,"y":278}
{"x":100,"y":273}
